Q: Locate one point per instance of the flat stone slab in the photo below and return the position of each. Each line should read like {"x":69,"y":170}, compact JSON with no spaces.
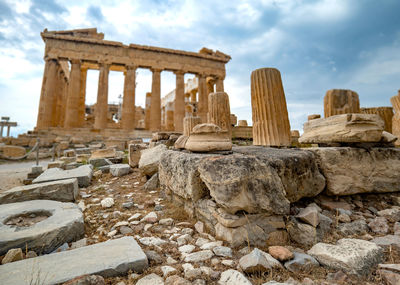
{"x":61,"y":190}
{"x":64,"y":224}
{"x":353,"y":256}
{"x":119,"y":169}
{"x":110,"y":258}
{"x":82,"y":173}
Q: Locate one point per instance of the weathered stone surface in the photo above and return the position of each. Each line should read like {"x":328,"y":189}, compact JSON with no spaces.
{"x":13,"y":151}
{"x":207,"y":138}
{"x":302,"y":233}
{"x":104,"y":153}
{"x":135,"y":154}
{"x":117,"y":258}
{"x":179,"y":174}
{"x":301,"y":263}
{"x":150,"y":159}
{"x":379,"y":225}
{"x":356,"y":170}
{"x":280,"y":253}
{"x":233,"y":277}
{"x":296,"y":168}
{"x":99,"y":162}
{"x":353,"y":256}
{"x":390,"y":277}
{"x":12,"y":255}
{"x":347,"y":128}
{"x":238,"y":182}
{"x":310,"y":215}
{"x":258,"y":261}
{"x":199,"y":256}
{"x":83,"y":174}
{"x":61,"y":190}
{"x":87,"y":280}
{"x":152,"y":184}
{"x":151,"y":279}
{"x":392,"y":214}
{"x":357,"y":227}
{"x":386,"y":114}
{"x":387,"y":241}
{"x":219,"y":112}
{"x":119,"y":169}
{"x":64,"y":224}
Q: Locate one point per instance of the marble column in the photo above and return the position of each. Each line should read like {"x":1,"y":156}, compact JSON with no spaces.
{"x":64,"y":87}
{"x":340,"y":101}
{"x":74,"y":89}
{"x":48,"y":95}
{"x":155,"y":109}
{"x":8,"y":131}
{"x":395,"y":100}
{"x":193,"y":95}
{"x":219,"y":85}
{"x":179,"y":108}
{"x":219,"y":111}
{"x":203,"y":98}
{"x":189,"y":123}
{"x":169,"y":116}
{"x":128,"y":103}
{"x":270,"y":116}
{"x":386,"y":114}
{"x":82,"y":98}
{"x":100,"y":120}
{"x":1,"y":130}
{"x":147,"y":111}
{"x":59,"y":97}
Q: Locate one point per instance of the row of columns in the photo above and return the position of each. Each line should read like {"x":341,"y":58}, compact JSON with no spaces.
{"x":62,"y":103}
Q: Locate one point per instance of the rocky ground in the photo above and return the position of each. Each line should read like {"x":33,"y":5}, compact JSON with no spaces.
{"x":181,"y":251}
{"x":115,"y":207}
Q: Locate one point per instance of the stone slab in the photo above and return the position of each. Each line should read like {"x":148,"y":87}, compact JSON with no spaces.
{"x":350,"y":170}
{"x":345,"y":128}
{"x":83,"y":174}
{"x":110,"y":258}
{"x":119,"y":169}
{"x":61,"y":190}
{"x":64,"y":224}
{"x":150,"y":159}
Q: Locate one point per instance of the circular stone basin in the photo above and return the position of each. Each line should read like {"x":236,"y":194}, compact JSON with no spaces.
{"x":41,"y":225}
{"x":28,"y":219}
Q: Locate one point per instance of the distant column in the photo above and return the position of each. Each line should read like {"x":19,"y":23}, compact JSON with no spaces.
{"x":128,"y":104}
{"x":155,"y":109}
{"x":395,"y":100}
{"x":219,"y":111}
{"x":219,"y":85}
{"x":82,"y":98}
{"x":169,"y":116}
{"x":270,"y":117}
{"x":8,"y":131}
{"x":1,"y":130}
{"x":189,"y":123}
{"x":100,"y":120}
{"x":48,"y":95}
{"x":179,"y":108}
{"x":147,"y":111}
{"x":341,"y":101}
{"x":386,"y":113}
{"x":203,"y":98}
{"x":74,"y":89}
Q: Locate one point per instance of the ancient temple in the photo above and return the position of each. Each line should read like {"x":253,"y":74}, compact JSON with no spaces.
{"x":70,"y":54}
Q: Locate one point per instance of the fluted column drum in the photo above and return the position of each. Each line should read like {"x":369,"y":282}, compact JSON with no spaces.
{"x":386,"y":113}
{"x":219,"y":111}
{"x":341,"y":101}
{"x":189,"y":123}
{"x":271,"y":125}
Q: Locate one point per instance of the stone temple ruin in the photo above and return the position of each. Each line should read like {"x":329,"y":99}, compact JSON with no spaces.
{"x":196,"y":205}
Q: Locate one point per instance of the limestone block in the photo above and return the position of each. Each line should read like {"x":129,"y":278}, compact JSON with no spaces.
{"x":353,"y":256}
{"x":231,"y":276}
{"x":83,"y":173}
{"x":189,"y":123}
{"x":241,"y":132}
{"x":13,"y":151}
{"x":119,"y":169}
{"x":150,"y":159}
{"x":340,"y":101}
{"x":116,"y":144}
{"x":104,"y":153}
{"x":208,"y":137}
{"x":395,"y":100}
{"x":99,"y":162}
{"x":356,"y":170}
{"x":118,"y":257}
{"x":62,"y":190}
{"x":64,"y":224}
{"x":242,"y":123}
{"x":313,"y":117}
{"x":270,"y":117}
{"x":346,"y":128}
{"x":386,"y":114}
{"x":219,"y":111}
{"x":233,"y":120}
{"x":178,"y":173}
{"x":135,"y":153}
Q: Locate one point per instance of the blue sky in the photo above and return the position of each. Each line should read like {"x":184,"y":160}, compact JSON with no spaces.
{"x":316,"y":44}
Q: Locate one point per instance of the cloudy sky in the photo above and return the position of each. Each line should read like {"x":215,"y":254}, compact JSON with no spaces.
{"x":316,"y":44}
